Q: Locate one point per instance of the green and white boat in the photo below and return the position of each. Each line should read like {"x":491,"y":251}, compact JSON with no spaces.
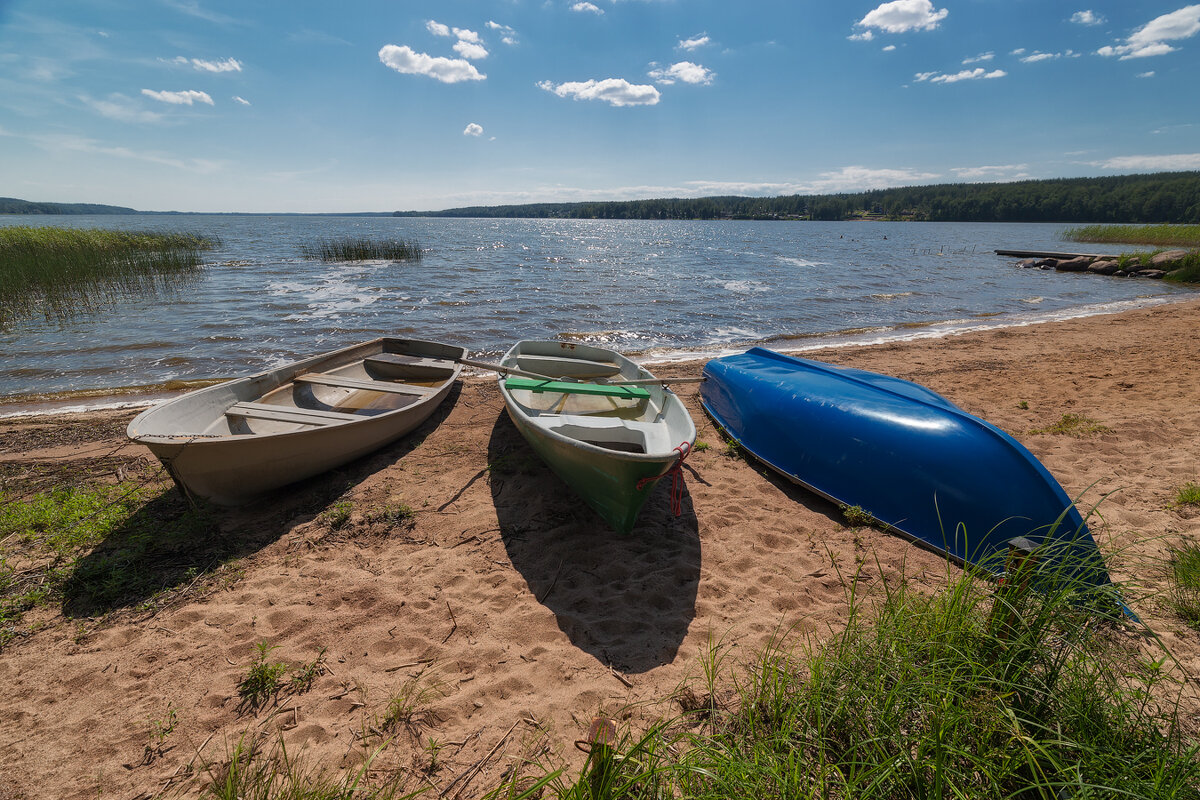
{"x":605,"y":425}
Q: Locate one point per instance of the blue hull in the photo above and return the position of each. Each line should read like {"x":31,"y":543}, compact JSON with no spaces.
{"x":904,"y":454}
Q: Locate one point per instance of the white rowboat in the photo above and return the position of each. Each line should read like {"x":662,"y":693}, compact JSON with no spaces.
{"x":231,"y":442}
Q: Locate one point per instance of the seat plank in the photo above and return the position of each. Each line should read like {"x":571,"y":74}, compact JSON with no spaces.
{"x":303,"y":416}
{"x":324,"y":379}
{"x":399,"y":359}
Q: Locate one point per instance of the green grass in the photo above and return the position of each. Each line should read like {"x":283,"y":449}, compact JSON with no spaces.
{"x":94,"y":548}
{"x":967,"y":694}
{"x":1158,"y":235}
{"x":1188,"y":494}
{"x":1078,"y":426}
{"x":351,"y":248}
{"x":263,"y":678}
{"x":1184,"y":581}
{"x":60,"y":273}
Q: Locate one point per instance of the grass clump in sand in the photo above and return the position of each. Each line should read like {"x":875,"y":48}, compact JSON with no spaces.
{"x":1184,"y":581}
{"x":94,"y":548}
{"x":353,"y":248}
{"x":1188,"y":494}
{"x":1158,"y":235}
{"x":969,"y":693}
{"x":1079,"y":426}
{"x":63,"y":272}
{"x":252,"y":772}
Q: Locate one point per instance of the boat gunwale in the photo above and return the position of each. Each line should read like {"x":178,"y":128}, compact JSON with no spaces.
{"x":516,"y":407}
{"x":290,"y":372}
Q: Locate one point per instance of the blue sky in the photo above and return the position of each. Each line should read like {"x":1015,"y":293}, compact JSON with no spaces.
{"x":373,"y":105}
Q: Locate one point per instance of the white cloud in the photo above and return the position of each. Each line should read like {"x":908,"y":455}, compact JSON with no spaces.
{"x":1181,"y":161}
{"x":694,"y":42}
{"x":857,"y":177}
{"x":473,"y":129}
{"x":241,"y":100}
{"x":183,"y":98}
{"x":588,"y":7}
{"x":684,"y":71}
{"x":1037,"y":56}
{"x":1151,"y":39}
{"x":979,"y":58}
{"x":999,"y":172}
{"x":1088,"y":17}
{"x":1149,"y":74}
{"x":979,"y":73}
{"x":120,"y":108}
{"x":889,"y":48}
{"x":614,"y":91}
{"x":507,"y":34}
{"x":470,"y":50}
{"x":228,"y":65}
{"x":865,"y":36}
{"x":404,"y":59}
{"x":437,"y":28}
{"x":901,"y":16}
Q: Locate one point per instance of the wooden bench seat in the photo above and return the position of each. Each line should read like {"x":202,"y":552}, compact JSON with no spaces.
{"x":399,"y":359}
{"x":360,"y":384}
{"x":303,"y":416}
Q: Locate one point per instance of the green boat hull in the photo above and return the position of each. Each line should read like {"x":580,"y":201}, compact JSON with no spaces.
{"x":615,"y":488}
{"x":610,"y":444}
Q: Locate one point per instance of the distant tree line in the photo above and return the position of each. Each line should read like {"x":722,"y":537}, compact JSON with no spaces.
{"x":11,"y":205}
{"x":1161,"y":197}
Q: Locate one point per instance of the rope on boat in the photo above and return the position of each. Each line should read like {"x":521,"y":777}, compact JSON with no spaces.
{"x":676,"y":473}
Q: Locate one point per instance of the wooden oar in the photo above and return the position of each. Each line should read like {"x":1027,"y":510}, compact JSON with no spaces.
{"x":523,"y":373}
{"x":503,"y":370}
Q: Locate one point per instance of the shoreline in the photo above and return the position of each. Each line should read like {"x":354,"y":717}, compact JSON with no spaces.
{"x":515,"y":603}
{"x":143,"y":396}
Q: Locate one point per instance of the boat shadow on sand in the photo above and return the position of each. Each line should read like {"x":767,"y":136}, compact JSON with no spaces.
{"x":168,"y":550}
{"x":626,"y":599}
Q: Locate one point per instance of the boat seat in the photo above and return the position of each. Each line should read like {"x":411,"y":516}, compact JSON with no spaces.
{"x":563,"y":367}
{"x":566,"y":387}
{"x":362,"y":384}
{"x":399,"y":359}
{"x":303,"y":416}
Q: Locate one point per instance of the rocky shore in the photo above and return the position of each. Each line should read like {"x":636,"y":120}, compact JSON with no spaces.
{"x":1160,"y":265}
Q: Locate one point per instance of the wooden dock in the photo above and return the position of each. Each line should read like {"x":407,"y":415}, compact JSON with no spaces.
{"x":1050,"y":254}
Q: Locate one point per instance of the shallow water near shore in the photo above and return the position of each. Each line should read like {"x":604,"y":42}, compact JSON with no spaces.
{"x":660,"y":290}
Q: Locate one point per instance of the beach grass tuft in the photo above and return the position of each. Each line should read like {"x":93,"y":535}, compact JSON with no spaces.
{"x":1156,"y":235}
{"x":1184,"y":581}
{"x":1188,"y":494}
{"x":1078,"y":426}
{"x":972,"y":692}
{"x":354,"y":248}
{"x":60,"y":273}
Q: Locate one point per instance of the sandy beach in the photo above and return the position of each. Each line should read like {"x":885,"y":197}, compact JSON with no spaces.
{"x":505,"y":613}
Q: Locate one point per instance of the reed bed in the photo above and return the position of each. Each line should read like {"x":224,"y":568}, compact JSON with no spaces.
{"x":1156,"y":235}
{"x":63,"y":272}
{"x":352,"y":248}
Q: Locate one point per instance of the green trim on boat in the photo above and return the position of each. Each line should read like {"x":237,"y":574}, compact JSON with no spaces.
{"x":567,"y":387}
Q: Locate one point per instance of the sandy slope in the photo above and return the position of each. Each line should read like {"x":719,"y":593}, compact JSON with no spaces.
{"x":511,"y":610}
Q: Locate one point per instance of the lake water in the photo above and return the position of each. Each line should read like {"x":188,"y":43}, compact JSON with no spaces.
{"x":659,"y":290}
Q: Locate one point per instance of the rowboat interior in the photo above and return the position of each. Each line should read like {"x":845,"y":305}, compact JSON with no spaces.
{"x":622,"y":418}
{"x":374,"y":385}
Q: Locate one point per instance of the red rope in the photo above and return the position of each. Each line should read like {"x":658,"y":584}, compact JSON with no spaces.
{"x":676,"y":473}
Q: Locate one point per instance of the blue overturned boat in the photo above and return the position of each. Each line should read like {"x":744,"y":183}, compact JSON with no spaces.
{"x":910,"y":458}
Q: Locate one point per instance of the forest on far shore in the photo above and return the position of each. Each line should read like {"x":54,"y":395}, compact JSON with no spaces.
{"x":1172,"y":197}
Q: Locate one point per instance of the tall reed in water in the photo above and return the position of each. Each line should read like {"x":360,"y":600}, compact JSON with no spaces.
{"x":351,"y":248}
{"x":1160,"y":235}
{"x":63,"y":272}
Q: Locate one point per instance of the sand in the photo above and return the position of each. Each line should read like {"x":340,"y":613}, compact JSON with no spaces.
{"x":504,"y":614}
